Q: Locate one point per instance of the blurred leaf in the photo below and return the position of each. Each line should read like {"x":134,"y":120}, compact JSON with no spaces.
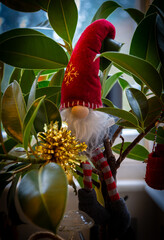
{"x":29,"y":119}
{"x":138,"y":102}
{"x":160,"y":135}
{"x":121,"y":114}
{"x":63,"y":16}
{"x":135,"y":14}
{"x":16,"y":75}
{"x":46,"y":191}
{"x":17,"y":32}
{"x":137,"y":66}
{"x":145,"y":34}
{"x":57,"y":78}
{"x":9,"y":145}
{"x":126,"y":124}
{"x":109,"y":83}
{"x":154,"y":110}
{"x":107,"y":102}
{"x":160,"y":36}
{"x":105,"y":10}
{"x":22,"y":5}
{"x":138,"y":152}
{"x":44,"y":83}
{"x":108,"y":45}
{"x":13,"y":111}
{"x":43,"y":4}
{"x":123,"y":83}
{"x":157,"y":3}
{"x":1,"y":71}
{"x":27,"y":80}
{"x":33,"y":56}
{"x":47,"y":112}
{"x":5,"y":179}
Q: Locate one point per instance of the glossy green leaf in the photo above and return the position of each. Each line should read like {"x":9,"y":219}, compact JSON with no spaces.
{"x":46,"y":191}
{"x":17,"y":32}
{"x":63,"y":18}
{"x":44,"y":83}
{"x":57,"y":78}
{"x":105,"y":10}
{"x":43,"y":53}
{"x":29,"y":119}
{"x":43,"y":4}
{"x":16,"y":75}
{"x":13,"y":111}
{"x":107,"y":102}
{"x":126,"y":124}
{"x":135,"y":14}
{"x":9,"y":145}
{"x":47,"y":112}
{"x":138,"y":102}
{"x":145,"y":34}
{"x":23,"y":6}
{"x":123,"y":83}
{"x":137,"y":66}
{"x":160,"y":135}
{"x":27,"y":80}
{"x":109,"y":83}
{"x":1,"y":71}
{"x":138,"y":152}
{"x":120,"y":114}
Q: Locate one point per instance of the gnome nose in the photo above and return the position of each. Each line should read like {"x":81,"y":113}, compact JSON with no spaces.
{"x":80,"y":112}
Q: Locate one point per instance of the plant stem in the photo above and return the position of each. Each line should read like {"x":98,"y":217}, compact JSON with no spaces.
{"x":133,"y":144}
{"x":20,"y":159}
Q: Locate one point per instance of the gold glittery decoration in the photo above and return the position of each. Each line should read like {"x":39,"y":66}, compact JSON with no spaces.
{"x":60,"y":146}
{"x":70,"y":74}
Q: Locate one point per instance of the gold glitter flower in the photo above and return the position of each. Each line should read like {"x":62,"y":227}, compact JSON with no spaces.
{"x":59,"y":146}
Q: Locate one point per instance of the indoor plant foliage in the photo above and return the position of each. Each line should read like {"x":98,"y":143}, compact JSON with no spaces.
{"x":27,"y":106}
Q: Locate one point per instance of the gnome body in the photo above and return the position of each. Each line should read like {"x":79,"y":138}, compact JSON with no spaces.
{"x":80,"y":95}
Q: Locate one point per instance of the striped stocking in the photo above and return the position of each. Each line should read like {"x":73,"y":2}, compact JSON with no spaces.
{"x":87,"y":175}
{"x":99,"y":159}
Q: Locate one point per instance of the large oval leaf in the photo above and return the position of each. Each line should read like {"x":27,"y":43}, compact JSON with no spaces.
{"x":159,"y":137}
{"x":135,"y":14}
{"x":9,"y":144}
{"x":136,"y":66}
{"x":42,"y":195}
{"x":13,"y":111}
{"x":23,"y":6}
{"x":105,"y":10}
{"x":27,"y":80}
{"x":145,"y":33}
{"x":138,"y":152}
{"x":121,"y":114}
{"x":29,"y":119}
{"x":16,"y":75}
{"x":47,"y":112}
{"x":63,"y":18}
{"x":138,"y":102}
{"x":43,"y":53}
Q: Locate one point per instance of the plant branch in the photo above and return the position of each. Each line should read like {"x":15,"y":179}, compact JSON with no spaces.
{"x":133,"y":144}
{"x":20,"y":159}
{"x":115,"y":135}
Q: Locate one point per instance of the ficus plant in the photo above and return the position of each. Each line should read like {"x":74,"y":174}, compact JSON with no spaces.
{"x":29,"y":106}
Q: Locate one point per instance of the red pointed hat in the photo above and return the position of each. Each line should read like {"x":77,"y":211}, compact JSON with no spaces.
{"x":81,"y":84}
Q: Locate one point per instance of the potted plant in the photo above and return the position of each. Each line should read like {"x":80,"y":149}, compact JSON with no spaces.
{"x":30,"y":114}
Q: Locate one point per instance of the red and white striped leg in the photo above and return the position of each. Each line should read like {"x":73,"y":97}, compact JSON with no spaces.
{"x":87,"y":175}
{"x":98,"y":158}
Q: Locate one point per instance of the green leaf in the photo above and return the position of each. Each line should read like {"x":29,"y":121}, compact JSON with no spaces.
{"x":126,"y":124}
{"x":121,"y":114}
{"x":160,"y":135}
{"x":138,"y":102}
{"x":137,"y":66}
{"x":1,"y":71}
{"x":47,"y":112}
{"x":43,"y":4}
{"x":16,"y":75}
{"x":29,"y":119}
{"x":46,"y":191}
{"x":109,"y":83}
{"x":107,"y":102}
{"x":9,"y":145}
{"x":57,"y":78}
{"x":105,"y":10}
{"x":123,"y":83}
{"x":27,"y":80}
{"x":154,"y":110}
{"x":138,"y":152}
{"x":135,"y":14}
{"x":44,"y":83}
{"x":33,"y":56}
{"x":145,"y":33}
{"x":63,"y":18}
{"x":13,"y":111}
{"x":23,"y":6}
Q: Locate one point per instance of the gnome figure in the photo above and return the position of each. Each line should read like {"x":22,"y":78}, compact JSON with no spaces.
{"x":80,"y":95}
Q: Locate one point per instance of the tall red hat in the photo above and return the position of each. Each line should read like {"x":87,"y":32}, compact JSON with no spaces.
{"x":81,"y":84}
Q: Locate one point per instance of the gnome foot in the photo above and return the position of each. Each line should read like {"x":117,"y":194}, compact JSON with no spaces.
{"x":88,"y":203}
{"x":120,"y":218}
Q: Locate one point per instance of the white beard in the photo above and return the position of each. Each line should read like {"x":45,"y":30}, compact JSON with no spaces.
{"x":91,"y":129}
